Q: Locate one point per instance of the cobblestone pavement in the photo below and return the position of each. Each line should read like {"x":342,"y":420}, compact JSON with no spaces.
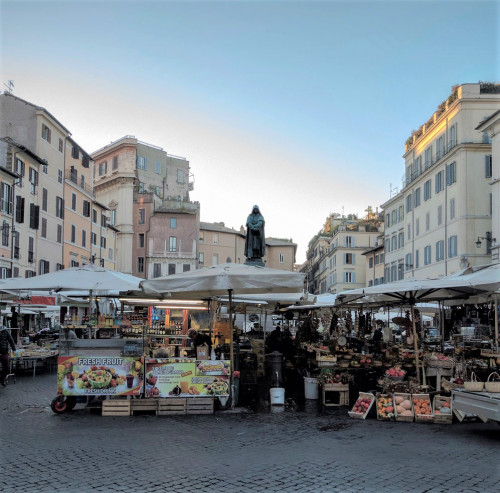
{"x":306,"y":450}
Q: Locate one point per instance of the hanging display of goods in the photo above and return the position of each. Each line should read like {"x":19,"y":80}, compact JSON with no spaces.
{"x":442,"y":408}
{"x":385,"y":407}
{"x":422,"y":408}
{"x":493,"y":383}
{"x":403,"y":407}
{"x":362,"y":406}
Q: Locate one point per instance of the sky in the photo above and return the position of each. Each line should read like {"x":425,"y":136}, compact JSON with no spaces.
{"x":300,"y":107}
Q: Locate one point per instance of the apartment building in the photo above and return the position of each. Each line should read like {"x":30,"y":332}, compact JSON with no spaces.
{"x":147,"y":193}
{"x":446,"y":194}
{"x":374,"y":264}
{"x":280,"y":254}
{"x":7,"y":183}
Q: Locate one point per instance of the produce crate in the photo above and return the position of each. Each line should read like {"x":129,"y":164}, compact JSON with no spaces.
{"x":382,"y":413}
{"x":335,"y":394}
{"x":407,"y":419}
{"x":172,"y":406}
{"x":358,"y":415}
{"x":144,"y":405}
{"x":440,"y":417}
{"x":200,"y":405}
{"x":426,"y":399}
{"x":116,"y":407}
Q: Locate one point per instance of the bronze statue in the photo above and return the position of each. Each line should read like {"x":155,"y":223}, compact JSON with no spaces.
{"x":255,"y":241}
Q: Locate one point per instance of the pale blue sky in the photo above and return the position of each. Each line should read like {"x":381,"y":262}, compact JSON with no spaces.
{"x":300,"y":107}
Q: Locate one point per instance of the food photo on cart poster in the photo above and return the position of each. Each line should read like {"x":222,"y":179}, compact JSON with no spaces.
{"x":99,"y":375}
{"x":175,"y":377}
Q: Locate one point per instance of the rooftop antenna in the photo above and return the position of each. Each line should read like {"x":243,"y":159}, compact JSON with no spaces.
{"x":9,"y":85}
{"x":392,"y":189}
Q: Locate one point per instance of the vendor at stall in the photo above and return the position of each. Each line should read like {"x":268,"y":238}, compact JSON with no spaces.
{"x":199,"y":339}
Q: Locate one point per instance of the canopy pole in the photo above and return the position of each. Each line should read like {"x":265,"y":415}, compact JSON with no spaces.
{"x":90,"y":314}
{"x":496,"y":322}
{"x":415,"y":341}
{"x":231,"y":348}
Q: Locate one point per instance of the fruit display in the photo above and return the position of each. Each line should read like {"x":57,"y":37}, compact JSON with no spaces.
{"x":395,"y":373}
{"x":422,"y":408}
{"x":442,"y":410}
{"x":362,"y":405}
{"x":403,"y":407}
{"x":385,"y":407}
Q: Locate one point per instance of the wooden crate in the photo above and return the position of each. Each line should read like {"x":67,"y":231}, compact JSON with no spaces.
{"x":172,"y":406}
{"x":423,"y":418}
{"x":338,"y":394}
{"x":144,"y":405}
{"x":200,"y":405}
{"x":407,"y":419}
{"x":437,"y":404}
{"x":355,"y":415}
{"x":116,"y":407}
{"x":383,"y":417}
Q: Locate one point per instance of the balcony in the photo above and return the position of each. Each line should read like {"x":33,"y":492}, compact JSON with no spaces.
{"x":71,"y":175}
{"x":178,"y":205}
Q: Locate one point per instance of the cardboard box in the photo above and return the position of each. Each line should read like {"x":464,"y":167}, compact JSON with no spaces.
{"x":202,"y":352}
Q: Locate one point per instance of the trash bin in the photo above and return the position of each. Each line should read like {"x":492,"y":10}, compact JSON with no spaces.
{"x":275,"y":366}
{"x":311,"y":390}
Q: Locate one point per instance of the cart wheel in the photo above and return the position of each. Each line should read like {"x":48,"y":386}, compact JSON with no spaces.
{"x":59,"y":405}
{"x":70,"y":403}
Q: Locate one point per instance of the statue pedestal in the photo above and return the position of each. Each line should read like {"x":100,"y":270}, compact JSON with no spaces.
{"x":255,"y":262}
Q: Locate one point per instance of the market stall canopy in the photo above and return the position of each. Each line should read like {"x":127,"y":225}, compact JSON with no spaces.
{"x":88,"y":277}
{"x":325,"y":300}
{"x":272,"y":299}
{"x":487,"y":277}
{"x":215,"y":281}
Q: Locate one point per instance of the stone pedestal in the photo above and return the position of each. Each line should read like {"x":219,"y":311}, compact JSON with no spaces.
{"x":255,"y":262}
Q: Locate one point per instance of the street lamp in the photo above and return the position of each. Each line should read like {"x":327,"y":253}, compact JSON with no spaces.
{"x":488,"y":239}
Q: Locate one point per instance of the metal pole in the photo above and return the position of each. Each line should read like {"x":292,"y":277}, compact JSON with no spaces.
{"x":415,"y":341}
{"x":496,"y":322}
{"x":231,"y":349}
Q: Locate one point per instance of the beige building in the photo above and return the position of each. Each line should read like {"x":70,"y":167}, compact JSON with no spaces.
{"x":447,"y":196}
{"x":374,"y":265}
{"x":7,"y":181}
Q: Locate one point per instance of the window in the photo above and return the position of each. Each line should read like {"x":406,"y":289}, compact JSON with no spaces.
{"x":33,"y":178}
{"x":45,"y":199}
{"x":488,"y":166}
{"x":348,"y":258}
{"x":171,"y":269}
{"x":439,"y":182}
{"x":401,"y":213}
{"x":409,"y":232}
{"x":381,"y":258}
{"x":439,"y":250}
{"x":82,"y":181}
{"x":370,"y":283}
{"x":113,"y":217}
{"x":142,"y":188}
{"x":394,"y":243}
{"x":73,"y":233}
{"x":158,"y":167}
{"x":115,"y":163}
{"x":394,"y":216}
{"x":417,"y":197}
{"x":370,"y":262}
{"x":142,"y":162}
{"x":44,"y":267}
{"x":103,"y":242}
{"x":59,"y":207}
{"x":427,"y":255}
{"x":486,"y":138}
{"x":60,"y":175}
{"x":408,"y":264}
{"x":93,"y":238}
{"x":34,"y":216}
{"x":141,"y":240}
{"x":19,"y":209}
{"x":281,"y":258}
{"x":73,"y":201}
{"x":401,"y":239}
{"x":103,"y":168}
{"x":60,"y":145}
{"x":186,"y":267}
{"x":59,"y":234}
{"x":94,"y":216}
{"x":427,"y":189}
{"x":417,"y":263}
{"x":408,"y":203}
{"x":45,"y":132}
{"x":59,"y":266}
{"x":451,"y":173}
{"x":452,"y":136}
{"x":172,"y":244}
{"x":452,"y":246}
{"x":45,"y":168}
{"x":215,"y":259}
{"x":440,"y":147}
{"x":215,"y":238}
{"x":19,"y":169}
{"x":156,"y":270}
{"x":43,"y":232}
{"x":6,"y":198}
{"x":428,"y":157}
{"x":74,"y":263}
{"x":173,"y":223}
{"x":180,"y":176}
{"x":103,"y":220}
{"x":201,"y":258}
{"x":158,"y":191}
{"x":142,"y":216}
{"x":377,"y":259}
{"x":75,"y":152}
{"x":452,"y":208}
{"x":401,"y":274}
{"x":427,"y":221}
{"x":349,"y":277}
{"x":349,"y":241}
{"x":85,"y":161}
{"x":417,"y":227}
{"x":84,"y":238}
{"x":86,"y":208}
{"x":5,"y":233}
{"x":440,"y":215}
{"x":140,"y":264}
{"x":110,"y":253}
{"x":388,"y":220}
{"x":31,"y":248}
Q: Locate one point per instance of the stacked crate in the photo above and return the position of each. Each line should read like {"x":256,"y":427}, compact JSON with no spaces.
{"x":116,"y":407}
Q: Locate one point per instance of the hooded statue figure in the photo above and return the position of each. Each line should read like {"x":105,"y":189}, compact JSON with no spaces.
{"x":255,"y":241}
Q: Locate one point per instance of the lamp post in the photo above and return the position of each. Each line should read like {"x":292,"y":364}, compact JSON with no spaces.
{"x":488,"y":238}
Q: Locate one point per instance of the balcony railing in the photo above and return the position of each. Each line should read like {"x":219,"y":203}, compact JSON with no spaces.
{"x":72,"y":176}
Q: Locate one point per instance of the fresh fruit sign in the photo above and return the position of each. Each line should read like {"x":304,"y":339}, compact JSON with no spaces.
{"x":186,"y":377}
{"x":98,"y":375}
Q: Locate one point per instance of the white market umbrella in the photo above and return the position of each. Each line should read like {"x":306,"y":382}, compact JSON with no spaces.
{"x":225,"y":279}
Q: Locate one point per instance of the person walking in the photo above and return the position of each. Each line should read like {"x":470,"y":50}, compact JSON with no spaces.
{"x":5,"y":341}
